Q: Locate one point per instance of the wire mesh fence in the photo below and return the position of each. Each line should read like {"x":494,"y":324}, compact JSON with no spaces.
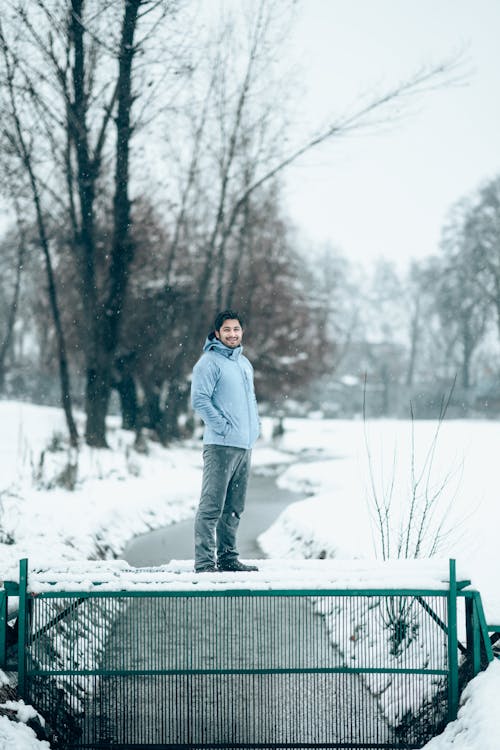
{"x":268,"y":669}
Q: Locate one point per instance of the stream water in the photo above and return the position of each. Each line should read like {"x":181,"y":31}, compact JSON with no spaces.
{"x":265,"y":501}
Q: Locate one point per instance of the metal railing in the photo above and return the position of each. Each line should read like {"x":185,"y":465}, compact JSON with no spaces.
{"x":337,"y":668}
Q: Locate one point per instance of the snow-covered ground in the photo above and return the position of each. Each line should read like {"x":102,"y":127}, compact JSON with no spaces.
{"x":120,"y":493}
{"x":18,"y":736}
{"x":476,"y":727}
{"x":460,"y":467}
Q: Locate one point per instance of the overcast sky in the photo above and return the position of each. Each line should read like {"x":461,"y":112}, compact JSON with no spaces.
{"x":387,"y":194}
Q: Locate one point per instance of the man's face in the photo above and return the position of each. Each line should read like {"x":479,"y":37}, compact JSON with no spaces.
{"x":230,"y":333}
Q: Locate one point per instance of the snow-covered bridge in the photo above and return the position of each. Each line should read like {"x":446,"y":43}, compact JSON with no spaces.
{"x":317,"y":653}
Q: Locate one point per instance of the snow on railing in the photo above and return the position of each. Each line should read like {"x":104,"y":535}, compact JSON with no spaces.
{"x":286,"y":574}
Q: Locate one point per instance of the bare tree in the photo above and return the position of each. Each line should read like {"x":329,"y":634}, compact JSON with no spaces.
{"x":11,"y":317}
{"x":415,"y":295}
{"x":14,"y":133}
{"x":482,"y":230}
{"x":238,"y":151}
{"x":461,"y":305}
{"x":83,"y":92}
{"x":411,"y":522}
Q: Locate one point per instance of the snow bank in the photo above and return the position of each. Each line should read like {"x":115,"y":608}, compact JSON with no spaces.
{"x":14,"y":736}
{"x":23,"y":712}
{"x":476,"y":727}
{"x":116,"y":493}
{"x":339,"y":518}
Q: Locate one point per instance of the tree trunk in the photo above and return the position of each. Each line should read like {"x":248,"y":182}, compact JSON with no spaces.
{"x":468,"y":348}
{"x":175,"y":406}
{"x":4,"y":348}
{"x":497,"y":301}
{"x":414,"y":335}
{"x":128,"y":401}
{"x":103,"y":315}
{"x":122,"y":249}
{"x":152,"y":413}
{"x":97,"y":393}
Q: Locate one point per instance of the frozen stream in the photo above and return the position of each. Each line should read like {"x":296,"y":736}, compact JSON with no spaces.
{"x":265,"y":501}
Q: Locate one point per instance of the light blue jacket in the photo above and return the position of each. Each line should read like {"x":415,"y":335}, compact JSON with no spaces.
{"x":222,"y":393}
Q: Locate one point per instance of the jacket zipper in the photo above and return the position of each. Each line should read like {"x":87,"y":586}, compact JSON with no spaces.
{"x":247,"y":400}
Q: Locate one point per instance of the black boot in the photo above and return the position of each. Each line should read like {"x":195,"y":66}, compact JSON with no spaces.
{"x":235,"y":566}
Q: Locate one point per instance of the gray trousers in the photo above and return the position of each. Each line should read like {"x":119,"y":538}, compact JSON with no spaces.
{"x":223,"y":491}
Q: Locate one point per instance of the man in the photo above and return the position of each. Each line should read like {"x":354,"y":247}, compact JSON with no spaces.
{"x":222,"y":393}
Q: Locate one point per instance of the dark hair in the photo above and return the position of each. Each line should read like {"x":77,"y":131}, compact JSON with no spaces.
{"x":226,"y":315}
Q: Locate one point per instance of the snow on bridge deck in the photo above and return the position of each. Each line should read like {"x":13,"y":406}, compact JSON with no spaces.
{"x":273,"y":574}
{"x":285,"y":574}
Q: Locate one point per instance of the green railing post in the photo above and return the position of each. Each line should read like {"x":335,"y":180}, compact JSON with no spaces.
{"x":473,"y":637}
{"x":486,"y":643}
{"x":3,"y":628}
{"x":22,"y":623}
{"x":452,"y":644}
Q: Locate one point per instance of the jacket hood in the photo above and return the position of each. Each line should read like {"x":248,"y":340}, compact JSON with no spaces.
{"x":222,"y":394}
{"x":213,"y":343}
